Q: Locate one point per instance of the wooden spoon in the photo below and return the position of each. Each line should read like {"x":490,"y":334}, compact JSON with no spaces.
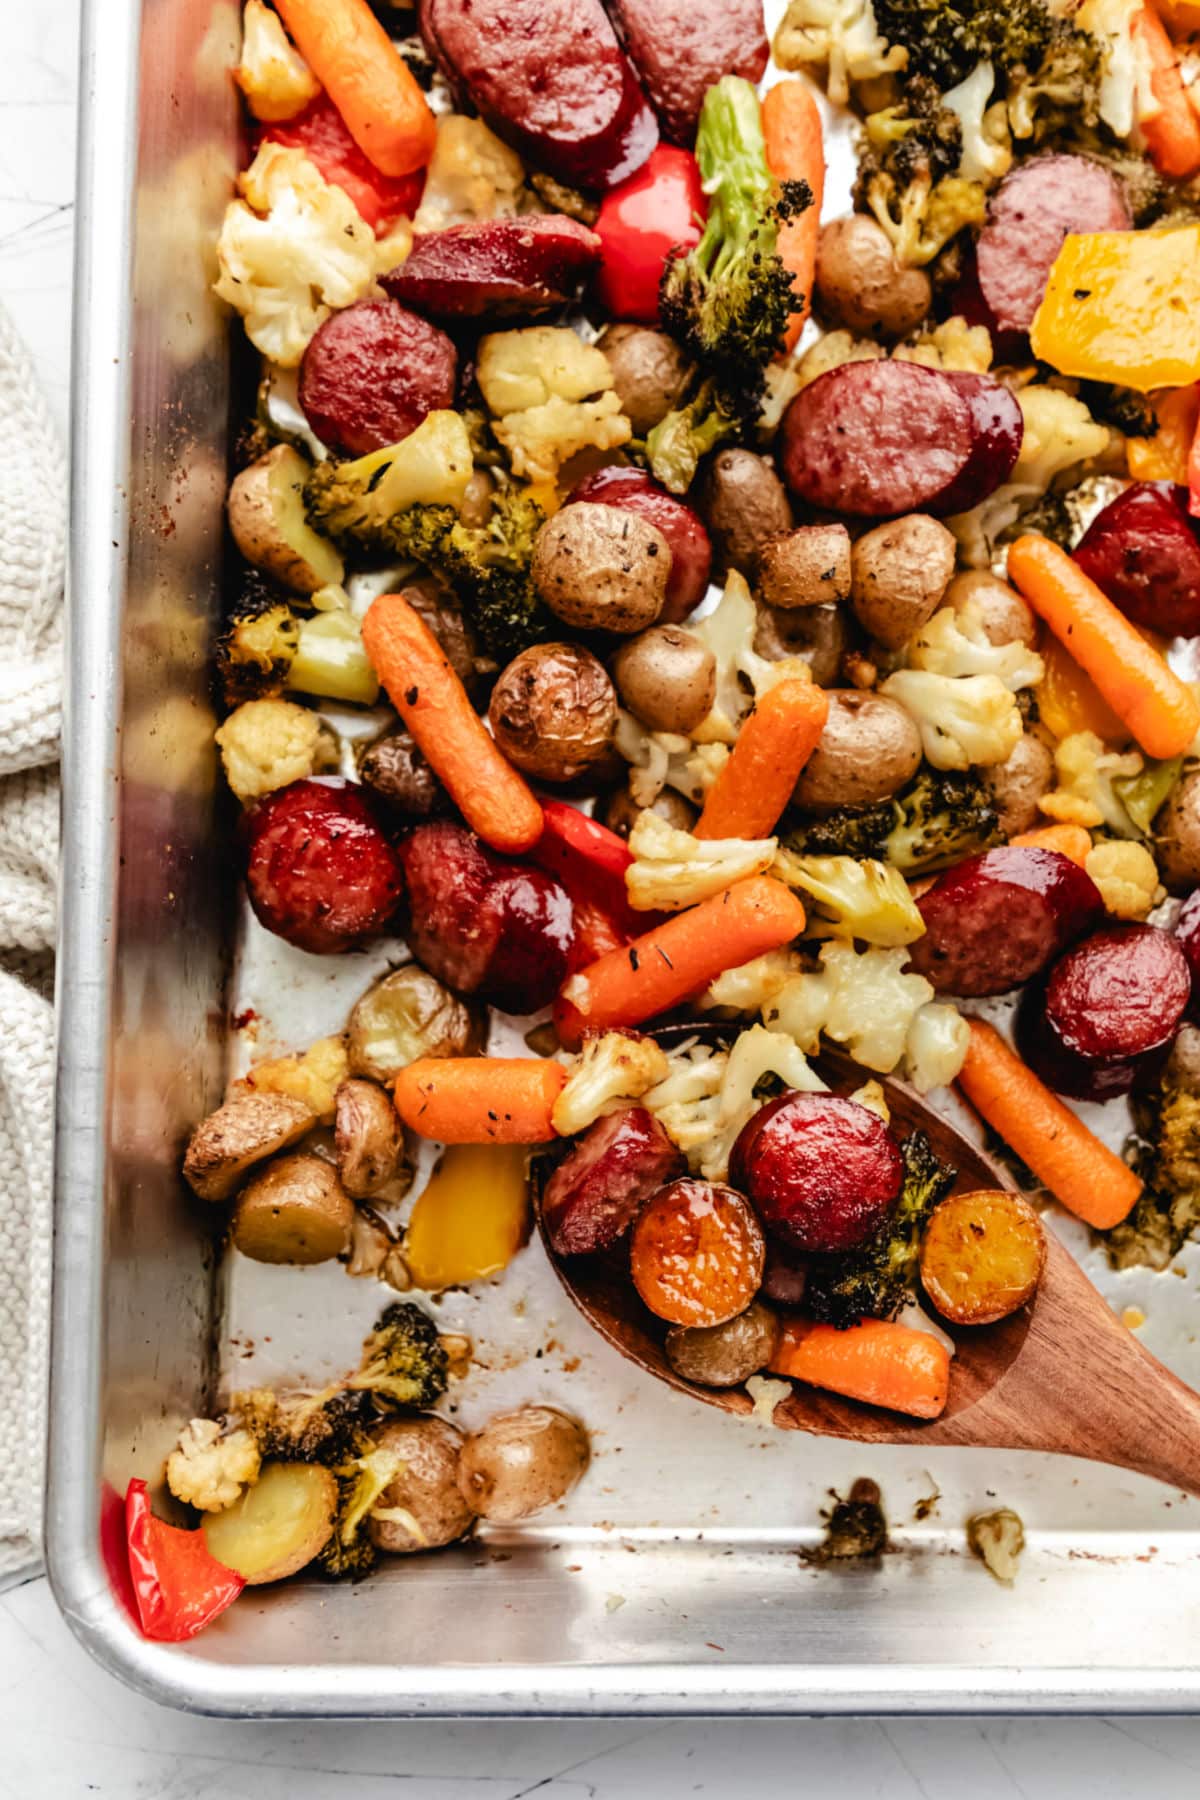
{"x":1061,"y":1374}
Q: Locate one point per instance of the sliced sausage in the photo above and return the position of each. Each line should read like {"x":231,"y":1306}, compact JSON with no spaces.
{"x":320,"y":871}
{"x":681,"y":47}
{"x":691,"y":548}
{"x":997,"y":919}
{"x":1030,"y":214}
{"x":497,"y":266}
{"x":823,"y":1173}
{"x":550,"y":76}
{"x":371,"y":373}
{"x":1142,"y":551}
{"x":883,"y":438}
{"x":1107,"y":1012}
{"x":594,"y":1196}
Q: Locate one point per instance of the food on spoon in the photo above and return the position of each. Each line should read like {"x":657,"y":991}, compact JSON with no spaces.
{"x":745,"y":506}
{"x":226,"y":1145}
{"x":600,"y":568}
{"x":293,"y":1211}
{"x":1142,"y":551}
{"x":696,"y":1253}
{"x":405,"y":1016}
{"x":1030,"y":214}
{"x":367,"y":1138}
{"x":869,"y":749}
{"x":878,"y":1361}
{"x":278,"y":1526}
{"x":553,"y":712}
{"x":723,"y":1356}
{"x":996,"y":920}
{"x":648,"y":372}
{"x":320,"y":871}
{"x":422,"y":1508}
{"x":822,"y":1172}
{"x":653,"y":215}
{"x":495,"y":266}
{"x":266,"y":517}
{"x":753,"y":787}
{"x":900,"y":574}
{"x":982,"y":1256}
{"x":522,"y":1462}
{"x":596,"y":1192}
{"x":372,"y":373}
{"x":680,"y":47}
{"x":691,"y":551}
{"x":861,"y":285}
{"x":480,"y":1099}
{"x":668,"y":678}
{"x":806,"y":567}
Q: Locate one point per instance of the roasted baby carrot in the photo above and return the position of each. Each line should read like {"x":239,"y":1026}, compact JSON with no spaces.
{"x":1171,"y":130}
{"x":1079,"y":1170}
{"x":367,"y":79}
{"x":677,"y":958}
{"x":480,"y":1099}
{"x":877,"y":1360}
{"x":430,"y":698}
{"x":751,"y":791}
{"x":791,"y":126}
{"x":1068,"y":840}
{"x":1160,"y":710}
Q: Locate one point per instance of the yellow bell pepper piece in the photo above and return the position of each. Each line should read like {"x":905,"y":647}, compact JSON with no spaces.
{"x":471,"y":1218}
{"x":1069,"y":701}
{"x":1164,"y":457}
{"x":1124,"y":306}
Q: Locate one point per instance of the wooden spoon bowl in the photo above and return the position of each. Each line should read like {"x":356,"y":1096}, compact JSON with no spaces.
{"x":1061,"y":1374}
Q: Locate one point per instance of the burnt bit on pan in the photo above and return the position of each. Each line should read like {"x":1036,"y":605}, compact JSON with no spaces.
{"x":855,"y":1528}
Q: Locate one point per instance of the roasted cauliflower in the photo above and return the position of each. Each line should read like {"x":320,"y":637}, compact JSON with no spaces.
{"x":672,"y":869}
{"x":208,"y":1470}
{"x":965,"y":721}
{"x":267,"y":744}
{"x":550,"y":396}
{"x":273,"y":76}
{"x":609,"y":1072}
{"x":472,"y":175}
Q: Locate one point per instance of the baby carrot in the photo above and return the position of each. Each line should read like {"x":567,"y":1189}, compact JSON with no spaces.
{"x":877,"y":1360}
{"x":754,"y":786}
{"x":795,"y":152}
{"x":1161,"y":712}
{"x":1079,"y":1170}
{"x":1068,"y":840}
{"x":430,"y":698}
{"x":677,"y":958}
{"x":367,"y":79}
{"x":1172,"y":131}
{"x":480,"y":1099}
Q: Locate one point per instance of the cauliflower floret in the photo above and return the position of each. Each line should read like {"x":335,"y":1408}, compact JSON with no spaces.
{"x":313,"y":1077}
{"x":953,"y":345}
{"x":834,"y":351}
{"x":986,"y":145}
{"x":660,"y":759}
{"x":872,"y":1096}
{"x":863,"y":999}
{"x":855,"y":898}
{"x":749,"y":988}
{"x":708,"y":1095}
{"x":839,"y":36}
{"x":936,"y":1046}
{"x":743,"y":676}
{"x":272,"y":74}
{"x":965,"y":721}
{"x":610,"y":1071}
{"x":1127,"y":877}
{"x":290,"y":250}
{"x":1060,"y":434}
{"x":209,"y":1471}
{"x":956,"y":643}
{"x":267,"y":744}
{"x":1085,"y":794}
{"x":1126,"y":91}
{"x":472,"y":175}
{"x":551,"y":395}
{"x":672,"y":869}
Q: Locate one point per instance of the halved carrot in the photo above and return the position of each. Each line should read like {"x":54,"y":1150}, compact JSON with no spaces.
{"x":1081,"y":1172}
{"x":1068,"y":840}
{"x":367,"y":79}
{"x":877,"y":1360}
{"x":1172,"y":132}
{"x":792,"y":133}
{"x":480,"y":1099}
{"x":756,"y":782}
{"x":493,"y":799}
{"x":1160,"y":710}
{"x":677,"y":958}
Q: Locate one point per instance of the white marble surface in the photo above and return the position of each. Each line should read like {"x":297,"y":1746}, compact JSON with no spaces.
{"x":67,"y":1730}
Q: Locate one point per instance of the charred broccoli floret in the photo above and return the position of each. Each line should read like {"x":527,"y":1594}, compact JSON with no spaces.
{"x":296,"y":1425}
{"x":876,"y":1281}
{"x":1058,"y":88}
{"x":946,"y":42}
{"x":404,"y":1362}
{"x":942,"y":816}
{"x":1167,"y":1212}
{"x":489,"y":568}
{"x":259,"y":642}
{"x":908,"y":175}
{"x":860,"y":831}
{"x":349,"y":1554}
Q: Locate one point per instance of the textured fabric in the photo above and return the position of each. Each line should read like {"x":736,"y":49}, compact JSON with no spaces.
{"x":33,"y":485}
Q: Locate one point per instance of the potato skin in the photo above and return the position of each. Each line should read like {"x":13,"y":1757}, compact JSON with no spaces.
{"x":295,"y":1502}
{"x":1007,"y":618}
{"x":553,"y":711}
{"x":246,"y":1130}
{"x":254,"y":507}
{"x":667,"y":677}
{"x":394,"y":769}
{"x":427,"y":1488}
{"x":522,"y":1462}
{"x":868,"y":750}
{"x":900,"y":572}
{"x":819,"y":634}
{"x":1017,"y":784}
{"x":806,"y":567}
{"x":724,"y":1355}
{"x":295,"y":1211}
{"x":441,"y":614}
{"x":621,"y":813}
{"x":1177,"y":835}
{"x":859,"y":283}
{"x":367,"y":1137}
{"x":601,"y":568}
{"x":407,"y":1015}
{"x":982,"y":1256}
{"x":648,"y":370}
{"x":744,"y":504}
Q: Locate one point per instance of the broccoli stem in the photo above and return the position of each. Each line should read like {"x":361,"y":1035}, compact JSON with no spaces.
{"x":675,"y":446}
{"x":732,"y":156}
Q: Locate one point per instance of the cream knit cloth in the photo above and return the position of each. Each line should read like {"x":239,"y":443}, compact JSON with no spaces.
{"x":33,"y":486}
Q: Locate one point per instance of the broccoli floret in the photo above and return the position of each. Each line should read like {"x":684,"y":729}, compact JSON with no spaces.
{"x":946,"y":41}
{"x":347,"y":501}
{"x":349,"y":1553}
{"x":919,"y":133}
{"x":676,"y":445}
{"x":877,"y":1280}
{"x":944,"y":815}
{"x":860,"y":831}
{"x":257,"y":647}
{"x":1167,"y":1212}
{"x":404,"y":1361}
{"x":1060,"y":89}
{"x":489,"y":568}
{"x":295,"y":1425}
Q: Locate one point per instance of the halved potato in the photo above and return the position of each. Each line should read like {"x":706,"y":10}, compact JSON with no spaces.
{"x":277,"y":1526}
{"x":982,"y":1256}
{"x":246,"y":1130}
{"x":295,"y":1211}
{"x":423,"y":1508}
{"x":269,"y":526}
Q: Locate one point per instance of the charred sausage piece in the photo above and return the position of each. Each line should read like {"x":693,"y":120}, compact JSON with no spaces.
{"x":497,"y":266}
{"x":320,"y":871}
{"x":681,"y":47}
{"x":550,"y":76}
{"x":1107,"y":1012}
{"x":593,"y":1196}
{"x":1031,"y":213}
{"x":691,"y":548}
{"x":883,"y":438}
{"x":996,"y":920}
{"x":371,"y":374}
{"x":823,"y":1173}
{"x":1142,"y":552}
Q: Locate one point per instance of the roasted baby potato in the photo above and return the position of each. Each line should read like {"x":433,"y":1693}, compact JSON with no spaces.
{"x":1006,"y":617}
{"x":553,"y":711}
{"x":601,"y":568}
{"x":667,"y":677}
{"x":982,"y":1256}
{"x":396,"y":770}
{"x":278,"y":1525}
{"x":424,"y":1507}
{"x":818,"y":634}
{"x":648,"y":372}
{"x":408,"y":1015}
{"x":1177,"y":835}
{"x":806,"y":567}
{"x":1017,"y":784}
{"x":621,"y":813}
{"x":899,"y":574}
{"x":367,"y":1138}
{"x":860,"y":284}
{"x":744,"y":504}
{"x":269,"y":526}
{"x":697,"y":1253}
{"x":294,"y":1211}
{"x":245,"y":1131}
{"x":725,"y":1355}
{"x":869,"y":749}
{"x":522,"y":1462}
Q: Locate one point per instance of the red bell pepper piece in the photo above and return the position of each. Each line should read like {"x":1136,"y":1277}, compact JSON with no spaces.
{"x":642,"y":222}
{"x":1193,"y":475}
{"x":590,"y":862}
{"x":321,"y":133}
{"x":179,"y":1587}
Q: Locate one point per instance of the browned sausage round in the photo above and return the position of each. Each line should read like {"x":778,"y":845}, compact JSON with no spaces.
{"x":680,"y":47}
{"x":495,"y":266}
{"x":320,"y":871}
{"x":997,"y":919}
{"x":371,"y":374}
{"x":1030,"y":214}
{"x":593,"y":1196}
